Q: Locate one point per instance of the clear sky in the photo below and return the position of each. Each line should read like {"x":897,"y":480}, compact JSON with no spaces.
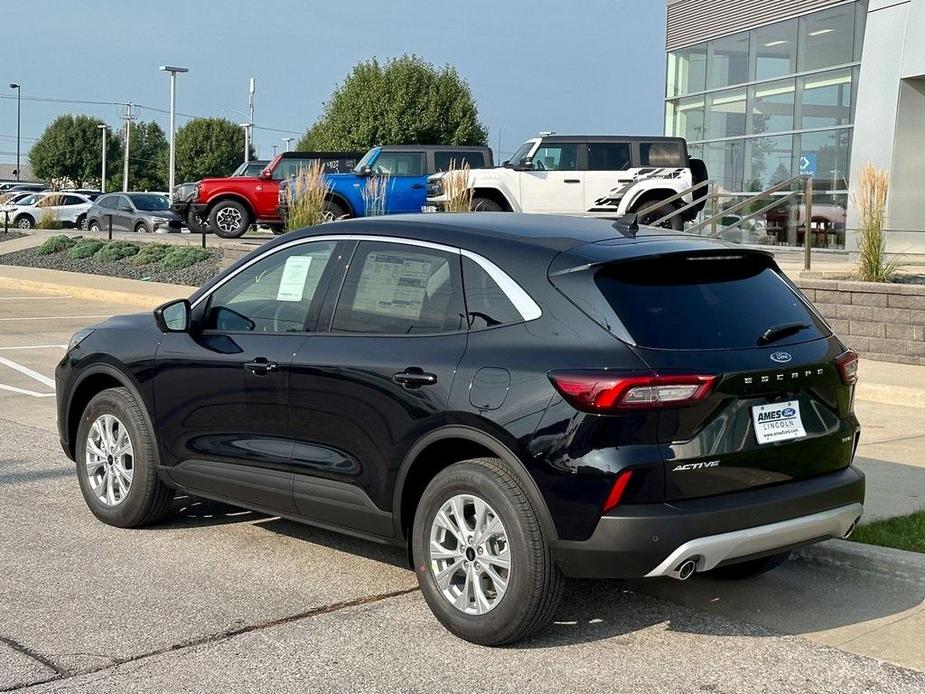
{"x":579,"y":66}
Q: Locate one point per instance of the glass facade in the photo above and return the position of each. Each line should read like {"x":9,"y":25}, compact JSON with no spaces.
{"x":762,"y":106}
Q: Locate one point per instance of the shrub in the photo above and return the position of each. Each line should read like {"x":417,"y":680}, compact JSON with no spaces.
{"x":49,"y":220}
{"x":56,"y":244}
{"x":870,"y":200}
{"x":375,"y":194}
{"x":183,"y":256}
{"x":150,"y":253}
{"x":306,"y":197}
{"x":84,"y":248}
{"x":116,"y":250}
{"x":457,"y":189}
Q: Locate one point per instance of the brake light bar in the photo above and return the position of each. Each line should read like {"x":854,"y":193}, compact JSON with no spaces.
{"x":608,"y":391}
{"x":847,"y":366}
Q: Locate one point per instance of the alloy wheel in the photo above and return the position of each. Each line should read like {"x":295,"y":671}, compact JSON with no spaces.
{"x":470,"y":557}
{"x":110,"y":460}
{"x":228,"y":219}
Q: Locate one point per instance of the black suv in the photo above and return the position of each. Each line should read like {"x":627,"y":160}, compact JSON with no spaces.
{"x":516,"y":398}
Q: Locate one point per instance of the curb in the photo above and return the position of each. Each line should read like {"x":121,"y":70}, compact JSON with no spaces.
{"x":121,"y":291}
{"x":890,"y":395}
{"x":896,"y":564}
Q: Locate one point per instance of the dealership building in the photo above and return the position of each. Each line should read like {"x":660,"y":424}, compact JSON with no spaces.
{"x":764,"y":90}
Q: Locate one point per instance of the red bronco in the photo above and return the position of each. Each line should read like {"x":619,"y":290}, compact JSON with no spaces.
{"x":229,"y":206}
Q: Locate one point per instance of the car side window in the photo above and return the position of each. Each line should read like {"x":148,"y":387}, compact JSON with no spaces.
{"x":399,"y":289}
{"x":446,"y":160}
{"x":556,"y":157}
{"x":609,"y":156}
{"x":670,"y":154}
{"x":399,"y":164}
{"x":274,"y":295}
{"x":486,"y":303}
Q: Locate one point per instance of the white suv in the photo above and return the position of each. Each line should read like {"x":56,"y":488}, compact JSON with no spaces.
{"x":68,"y":208}
{"x":597,"y":176}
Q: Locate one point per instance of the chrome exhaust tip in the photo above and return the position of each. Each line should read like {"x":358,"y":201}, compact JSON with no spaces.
{"x":685,"y":570}
{"x":851,"y":528}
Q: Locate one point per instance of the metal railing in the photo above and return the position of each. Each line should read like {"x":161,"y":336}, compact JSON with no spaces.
{"x":781,"y":194}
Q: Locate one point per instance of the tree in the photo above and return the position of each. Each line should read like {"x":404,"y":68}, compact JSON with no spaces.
{"x":147,"y":159}
{"x":70,"y":151}
{"x":405,"y":101}
{"x":209,"y":147}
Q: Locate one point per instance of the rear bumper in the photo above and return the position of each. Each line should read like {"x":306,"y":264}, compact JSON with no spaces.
{"x":654,"y":539}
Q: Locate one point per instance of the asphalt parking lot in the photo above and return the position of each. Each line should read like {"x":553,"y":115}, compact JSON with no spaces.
{"x":220,"y":599}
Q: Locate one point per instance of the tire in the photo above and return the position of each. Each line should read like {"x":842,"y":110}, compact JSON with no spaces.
{"x":675,"y":223}
{"x":229,"y":219}
{"x":485,"y":205}
{"x":24,"y":222}
{"x":82,"y":222}
{"x":533,"y":587}
{"x":146,"y":498}
{"x":278,"y":230}
{"x":750,"y":568}
{"x":336,"y":210}
{"x":141,"y":228}
{"x":196,"y":224}
{"x":94,"y":227}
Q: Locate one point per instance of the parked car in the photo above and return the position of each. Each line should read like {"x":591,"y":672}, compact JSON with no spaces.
{"x":231,"y":205}
{"x":91,"y":193}
{"x":138,"y":212}
{"x":8,"y":201}
{"x":68,"y":208}
{"x":402,"y":168}
{"x":598,"y":176}
{"x":251,"y":168}
{"x":515,"y":398}
{"x":27,"y":187}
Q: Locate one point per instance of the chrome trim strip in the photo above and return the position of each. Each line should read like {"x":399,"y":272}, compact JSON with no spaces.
{"x":710,"y":551}
{"x":523,"y":302}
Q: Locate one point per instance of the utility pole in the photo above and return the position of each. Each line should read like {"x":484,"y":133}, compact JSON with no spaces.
{"x":248,"y":132}
{"x":18,"y":112}
{"x":172,"y":164}
{"x":247,"y":142}
{"x":129,"y":113}
{"x":274,"y":151}
{"x":288,"y":141}
{"x":103,"y":128}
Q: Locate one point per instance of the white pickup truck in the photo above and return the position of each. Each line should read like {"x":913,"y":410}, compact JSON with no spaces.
{"x":597,"y":176}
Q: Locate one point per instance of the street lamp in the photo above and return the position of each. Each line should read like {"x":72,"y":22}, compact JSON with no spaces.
{"x":288,"y":141}
{"x":104,"y":129}
{"x":172,"y":165}
{"x":247,"y":142}
{"x":18,"y":111}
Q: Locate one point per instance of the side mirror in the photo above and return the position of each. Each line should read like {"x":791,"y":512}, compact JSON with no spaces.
{"x":266,"y":174}
{"x":506,"y":163}
{"x":526,"y":164}
{"x":367,"y":170}
{"x":174,"y":316}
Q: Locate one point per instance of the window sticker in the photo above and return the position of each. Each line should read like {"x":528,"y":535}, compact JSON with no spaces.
{"x":393,"y":285}
{"x":292,"y":283}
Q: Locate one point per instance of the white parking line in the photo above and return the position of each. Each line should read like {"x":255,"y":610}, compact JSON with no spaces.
{"x":44,"y":380}
{"x":55,"y":317}
{"x":23,"y":391}
{"x":3,"y":349}
{"x":46,"y":296}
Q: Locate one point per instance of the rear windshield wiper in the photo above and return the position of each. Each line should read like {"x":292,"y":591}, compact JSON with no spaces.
{"x":779,"y":332}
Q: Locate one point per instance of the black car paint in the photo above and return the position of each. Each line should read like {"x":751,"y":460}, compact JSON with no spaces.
{"x":340,"y":448}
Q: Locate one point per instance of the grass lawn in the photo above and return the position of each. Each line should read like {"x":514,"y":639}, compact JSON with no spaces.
{"x":902,"y":532}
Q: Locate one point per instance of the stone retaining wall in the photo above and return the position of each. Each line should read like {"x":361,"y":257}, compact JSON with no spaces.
{"x":881,"y":321}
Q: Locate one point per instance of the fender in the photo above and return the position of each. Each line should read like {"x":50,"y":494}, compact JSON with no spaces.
{"x":341,"y":200}
{"x":667,"y":186}
{"x":226,"y":195}
{"x":129,"y":383}
{"x":502,"y":190}
{"x":491,"y":443}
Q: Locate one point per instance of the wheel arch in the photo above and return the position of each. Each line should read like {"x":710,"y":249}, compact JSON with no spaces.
{"x":649,"y":195}
{"x":494,"y":194}
{"x":95,"y":380}
{"x":341,"y":200}
{"x":441,"y":448}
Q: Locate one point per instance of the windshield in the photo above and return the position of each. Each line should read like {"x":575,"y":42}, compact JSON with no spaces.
{"x":523,"y":151}
{"x":150,"y":203}
{"x":367,"y":159}
{"x":29,"y":200}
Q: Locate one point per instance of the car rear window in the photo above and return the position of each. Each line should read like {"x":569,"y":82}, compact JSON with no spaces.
{"x":666,"y":153}
{"x":704,"y":302}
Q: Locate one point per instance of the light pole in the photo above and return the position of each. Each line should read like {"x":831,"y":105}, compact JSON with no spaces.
{"x":18,"y":111}
{"x":104,"y":130}
{"x":247,"y":142}
{"x":288,"y":141}
{"x":172,"y":164}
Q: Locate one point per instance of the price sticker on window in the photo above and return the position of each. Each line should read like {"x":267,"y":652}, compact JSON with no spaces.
{"x":292,"y":283}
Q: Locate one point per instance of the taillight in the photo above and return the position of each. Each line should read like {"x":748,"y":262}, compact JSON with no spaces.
{"x":847,"y":365}
{"x":606,"y":391}
{"x":616,"y":491}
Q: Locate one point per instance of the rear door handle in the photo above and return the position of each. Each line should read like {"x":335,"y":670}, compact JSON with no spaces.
{"x":414,"y":377}
{"x":261,"y":366}
{"x":417,"y":185}
{"x":571,"y":180}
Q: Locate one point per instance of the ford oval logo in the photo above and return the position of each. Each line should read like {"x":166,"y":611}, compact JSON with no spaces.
{"x":788,"y":412}
{"x":781,"y":357}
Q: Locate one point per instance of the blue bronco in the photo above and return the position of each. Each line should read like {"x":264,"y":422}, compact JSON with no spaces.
{"x":405,"y":169}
